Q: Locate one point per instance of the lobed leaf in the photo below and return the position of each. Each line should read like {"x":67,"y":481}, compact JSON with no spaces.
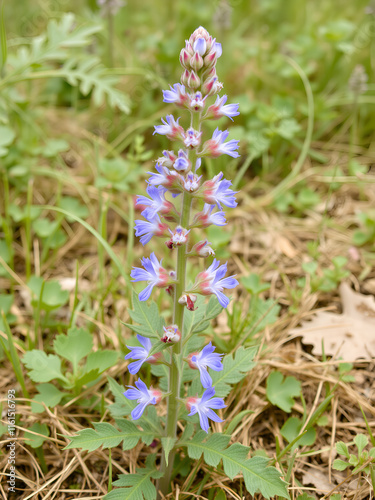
{"x":150,"y":322}
{"x":236,"y":366}
{"x":280,"y":391}
{"x":44,"y":367}
{"x":136,"y":486}
{"x":107,"y":436}
{"x":257,"y":475}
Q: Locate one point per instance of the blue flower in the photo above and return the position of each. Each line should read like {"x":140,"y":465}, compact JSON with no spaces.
{"x":171,"y":128}
{"x":156,"y":204}
{"x":204,"y":406}
{"x":176,"y":95}
{"x":212,"y":281}
{"x":219,"y":109}
{"x":153,"y":273}
{"x":140,"y":353}
{"x":147,"y":229}
{"x":203,"y":359}
{"x":217,"y":146}
{"x":200,"y":46}
{"x":182,"y":162}
{"x":217,"y":191}
{"x":143,"y":396}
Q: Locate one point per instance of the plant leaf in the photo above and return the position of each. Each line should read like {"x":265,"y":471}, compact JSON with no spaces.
{"x":74,"y":346}
{"x":107,"y":436}
{"x":137,"y":486}
{"x":49,"y":395}
{"x":33,"y":440}
{"x":168,"y":444}
{"x":150,"y":322}
{"x":236,"y":366}
{"x":257,"y":476}
{"x":44,"y":367}
{"x":280,"y":391}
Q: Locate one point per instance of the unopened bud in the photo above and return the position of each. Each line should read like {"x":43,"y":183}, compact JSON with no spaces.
{"x":202,"y":249}
{"x":184,"y":59}
{"x":189,"y":300}
{"x":185,"y":78}
{"x":196,"y":62}
{"x":193,"y":81}
{"x":171,"y":334}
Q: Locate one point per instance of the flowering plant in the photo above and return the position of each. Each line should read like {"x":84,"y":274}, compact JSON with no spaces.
{"x":194,"y":379}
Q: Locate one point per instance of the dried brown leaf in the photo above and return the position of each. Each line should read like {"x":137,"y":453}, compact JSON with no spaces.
{"x":350,"y":335}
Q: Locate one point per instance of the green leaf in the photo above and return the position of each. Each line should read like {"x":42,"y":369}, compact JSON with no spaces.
{"x":168,"y":444}
{"x":292,"y":428}
{"x":150,"y":322}
{"x":74,"y":346}
{"x":361,"y":441}
{"x":7,"y":136}
{"x":342,"y":449}
{"x":101,"y":360}
{"x":49,"y":395}
{"x":137,"y":486}
{"x":253,"y":284}
{"x":91,"y":76}
{"x":73,"y":206}
{"x":44,"y":367}
{"x":305,"y":496}
{"x":236,"y":420}
{"x":235,"y":368}
{"x":280,"y":391}
{"x":339,"y":464}
{"x":33,"y":440}
{"x":53,"y":296}
{"x":44,"y":227}
{"x":257,"y":476}
{"x":107,"y":436}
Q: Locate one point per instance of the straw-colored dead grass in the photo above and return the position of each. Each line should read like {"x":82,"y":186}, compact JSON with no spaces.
{"x":264,"y":242}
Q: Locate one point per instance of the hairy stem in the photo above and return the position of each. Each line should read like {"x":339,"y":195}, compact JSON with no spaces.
{"x":176,"y":361}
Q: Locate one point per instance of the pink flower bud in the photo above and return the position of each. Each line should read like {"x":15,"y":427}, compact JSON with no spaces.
{"x":184,"y":59}
{"x":185,"y":78}
{"x":193,"y":81}
{"x":196,"y":62}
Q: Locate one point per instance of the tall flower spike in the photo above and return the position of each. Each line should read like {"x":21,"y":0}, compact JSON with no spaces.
{"x":153,"y":273}
{"x":204,"y":406}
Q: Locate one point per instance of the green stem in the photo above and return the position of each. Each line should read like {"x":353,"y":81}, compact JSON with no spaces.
{"x":176,"y":359}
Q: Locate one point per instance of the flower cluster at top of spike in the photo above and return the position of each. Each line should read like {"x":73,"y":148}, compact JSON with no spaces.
{"x":176,"y":174}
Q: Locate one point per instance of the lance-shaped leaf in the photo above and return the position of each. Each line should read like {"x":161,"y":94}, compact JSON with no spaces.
{"x":107,"y":436}
{"x":236,"y":366}
{"x":136,"y":486}
{"x":258,"y":476}
{"x":150,"y":322}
